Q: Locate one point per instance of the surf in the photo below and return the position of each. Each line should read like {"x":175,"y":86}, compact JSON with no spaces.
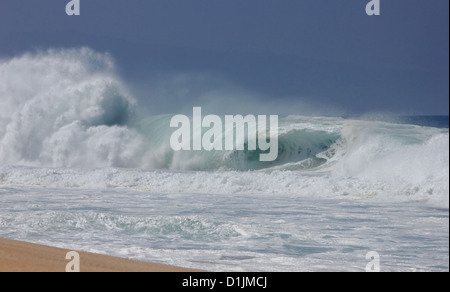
{"x":68,"y":112}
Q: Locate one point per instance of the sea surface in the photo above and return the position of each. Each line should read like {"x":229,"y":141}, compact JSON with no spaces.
{"x":80,"y":170}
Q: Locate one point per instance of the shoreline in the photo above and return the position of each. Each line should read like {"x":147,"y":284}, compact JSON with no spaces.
{"x":20,"y":256}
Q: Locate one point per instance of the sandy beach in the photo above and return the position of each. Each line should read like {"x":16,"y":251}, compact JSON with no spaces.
{"x":19,"y":256}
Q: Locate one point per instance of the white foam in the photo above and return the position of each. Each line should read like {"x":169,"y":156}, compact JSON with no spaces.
{"x":229,"y":182}
{"x":66,"y":108}
{"x":230,"y":232}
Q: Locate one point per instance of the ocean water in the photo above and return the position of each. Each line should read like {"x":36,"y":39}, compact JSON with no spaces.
{"x":80,"y":169}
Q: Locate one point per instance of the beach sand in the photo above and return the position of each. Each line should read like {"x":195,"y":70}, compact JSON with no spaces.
{"x":19,"y":256}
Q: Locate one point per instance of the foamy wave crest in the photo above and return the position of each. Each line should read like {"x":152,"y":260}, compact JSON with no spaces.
{"x":395,"y":159}
{"x":66,"y":108}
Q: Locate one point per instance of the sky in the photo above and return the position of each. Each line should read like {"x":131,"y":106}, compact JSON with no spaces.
{"x":317,"y":54}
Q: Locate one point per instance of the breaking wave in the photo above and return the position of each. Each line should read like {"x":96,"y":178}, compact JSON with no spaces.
{"x":70,"y":109}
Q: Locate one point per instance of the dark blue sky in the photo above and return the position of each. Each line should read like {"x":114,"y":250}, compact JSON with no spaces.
{"x":324,"y":52}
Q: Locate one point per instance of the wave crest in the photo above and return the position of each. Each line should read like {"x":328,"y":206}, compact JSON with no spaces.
{"x":57,"y":105}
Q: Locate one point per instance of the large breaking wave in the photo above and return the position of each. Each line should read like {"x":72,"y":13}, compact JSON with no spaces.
{"x":69,"y":109}
{"x":65,"y":108}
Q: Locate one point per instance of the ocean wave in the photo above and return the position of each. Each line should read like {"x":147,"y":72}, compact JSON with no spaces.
{"x":68,"y":120}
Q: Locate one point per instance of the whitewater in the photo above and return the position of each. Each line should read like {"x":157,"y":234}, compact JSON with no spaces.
{"x":81,"y":167}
